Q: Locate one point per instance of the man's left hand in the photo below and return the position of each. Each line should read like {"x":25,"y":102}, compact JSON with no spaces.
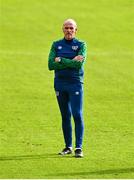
{"x":79,"y":58}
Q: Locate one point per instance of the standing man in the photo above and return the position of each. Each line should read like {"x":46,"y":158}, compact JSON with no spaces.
{"x":66,"y":58}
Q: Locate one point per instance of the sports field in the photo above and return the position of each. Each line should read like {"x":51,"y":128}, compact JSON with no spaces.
{"x":30,"y":124}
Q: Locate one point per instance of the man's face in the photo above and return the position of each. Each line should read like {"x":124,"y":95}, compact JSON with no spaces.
{"x":69,"y":30}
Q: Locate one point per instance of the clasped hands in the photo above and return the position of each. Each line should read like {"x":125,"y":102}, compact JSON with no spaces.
{"x":79,"y":58}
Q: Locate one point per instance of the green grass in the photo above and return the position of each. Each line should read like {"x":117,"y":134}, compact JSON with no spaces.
{"x":30,"y":124}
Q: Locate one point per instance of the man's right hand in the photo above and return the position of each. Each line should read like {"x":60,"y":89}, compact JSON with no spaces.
{"x":57,"y":59}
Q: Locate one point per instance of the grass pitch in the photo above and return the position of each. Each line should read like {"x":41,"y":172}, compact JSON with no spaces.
{"x":30,"y":124}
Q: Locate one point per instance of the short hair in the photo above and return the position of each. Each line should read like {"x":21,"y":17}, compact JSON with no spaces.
{"x":71,"y":21}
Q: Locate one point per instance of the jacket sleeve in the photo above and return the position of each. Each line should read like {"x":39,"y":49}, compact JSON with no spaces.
{"x":52,"y":65}
{"x":73,"y":63}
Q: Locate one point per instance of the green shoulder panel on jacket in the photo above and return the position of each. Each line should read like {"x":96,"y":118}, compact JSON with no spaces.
{"x":52,"y":65}
{"x":83,"y":50}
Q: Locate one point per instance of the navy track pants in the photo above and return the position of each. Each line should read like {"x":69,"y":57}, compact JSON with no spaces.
{"x":70,"y":100}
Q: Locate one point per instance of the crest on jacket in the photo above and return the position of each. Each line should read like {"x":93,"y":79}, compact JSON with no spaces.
{"x":75,"y":47}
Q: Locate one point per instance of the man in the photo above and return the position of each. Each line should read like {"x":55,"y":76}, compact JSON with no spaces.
{"x":66,"y":58}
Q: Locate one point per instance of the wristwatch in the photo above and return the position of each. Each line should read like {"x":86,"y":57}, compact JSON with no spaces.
{"x":59,"y":59}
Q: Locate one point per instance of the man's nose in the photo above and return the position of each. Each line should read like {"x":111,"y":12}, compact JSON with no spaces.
{"x":68,"y":30}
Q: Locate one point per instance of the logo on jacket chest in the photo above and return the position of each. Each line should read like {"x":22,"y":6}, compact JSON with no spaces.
{"x":59,"y":47}
{"x":74,"y":48}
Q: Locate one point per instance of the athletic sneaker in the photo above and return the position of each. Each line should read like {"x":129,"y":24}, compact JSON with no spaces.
{"x":78,"y":153}
{"x":66,"y":151}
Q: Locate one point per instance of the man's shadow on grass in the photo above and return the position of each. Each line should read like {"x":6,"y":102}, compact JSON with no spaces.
{"x":27,"y":157}
{"x":49,"y":156}
{"x":97,"y":172}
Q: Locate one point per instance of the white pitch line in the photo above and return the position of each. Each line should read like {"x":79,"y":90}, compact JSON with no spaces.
{"x":21,"y":53}
{"x":101,"y":53}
